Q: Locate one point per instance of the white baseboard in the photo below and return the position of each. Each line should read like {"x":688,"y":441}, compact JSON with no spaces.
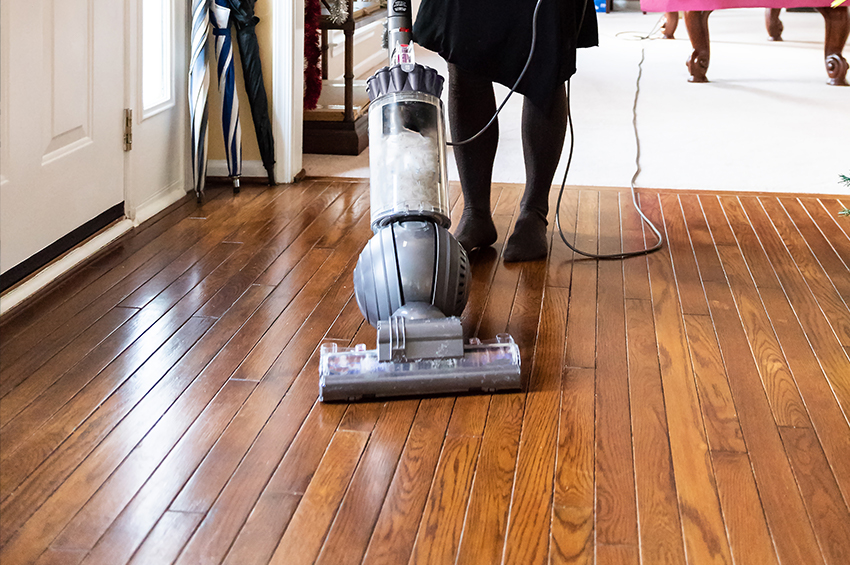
{"x":94,"y":244}
{"x":156,"y":203}
{"x":68,"y":261}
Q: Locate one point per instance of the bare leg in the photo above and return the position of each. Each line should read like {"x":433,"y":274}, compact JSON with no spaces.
{"x":472,"y":103}
{"x":542,"y":142}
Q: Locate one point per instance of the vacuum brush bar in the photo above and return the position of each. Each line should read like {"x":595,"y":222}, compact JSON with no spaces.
{"x":349,"y":374}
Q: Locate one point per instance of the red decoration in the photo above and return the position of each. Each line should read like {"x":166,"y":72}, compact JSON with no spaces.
{"x":312,"y":54}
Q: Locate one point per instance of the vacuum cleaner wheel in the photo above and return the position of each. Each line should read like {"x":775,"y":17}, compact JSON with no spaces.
{"x":412,"y":261}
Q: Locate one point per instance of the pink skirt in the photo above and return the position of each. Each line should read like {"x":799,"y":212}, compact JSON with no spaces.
{"x":699,"y":5}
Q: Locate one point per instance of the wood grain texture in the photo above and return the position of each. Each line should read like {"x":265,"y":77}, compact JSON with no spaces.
{"x":657,"y":504}
{"x":303,"y":537}
{"x":698,"y":503}
{"x":783,"y":506}
{"x":749,"y":537}
{"x":686,"y":406}
{"x":572,"y":507}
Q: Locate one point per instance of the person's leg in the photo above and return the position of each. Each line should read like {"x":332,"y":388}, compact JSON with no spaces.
{"x":472,"y":103}
{"x":542,"y":142}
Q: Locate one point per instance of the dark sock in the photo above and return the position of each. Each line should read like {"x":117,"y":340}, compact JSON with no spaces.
{"x":543,"y":134}
{"x":472,"y":103}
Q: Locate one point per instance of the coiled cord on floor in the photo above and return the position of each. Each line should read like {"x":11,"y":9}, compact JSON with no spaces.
{"x":655,"y":230}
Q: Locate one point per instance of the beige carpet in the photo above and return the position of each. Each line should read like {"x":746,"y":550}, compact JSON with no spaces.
{"x":767,"y":121}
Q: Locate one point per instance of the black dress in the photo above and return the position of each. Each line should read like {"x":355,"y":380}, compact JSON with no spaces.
{"x":492,"y":38}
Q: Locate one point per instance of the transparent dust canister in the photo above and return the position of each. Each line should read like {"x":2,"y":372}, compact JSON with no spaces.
{"x":407,"y":159}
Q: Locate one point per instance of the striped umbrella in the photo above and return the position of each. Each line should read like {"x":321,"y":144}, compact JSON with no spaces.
{"x":220,"y":18}
{"x":199,"y":84}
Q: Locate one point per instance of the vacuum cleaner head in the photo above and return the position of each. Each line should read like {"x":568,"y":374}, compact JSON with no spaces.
{"x":349,"y":374}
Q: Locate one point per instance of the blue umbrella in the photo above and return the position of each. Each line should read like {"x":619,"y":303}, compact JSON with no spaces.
{"x":220,"y":18}
{"x":199,"y":84}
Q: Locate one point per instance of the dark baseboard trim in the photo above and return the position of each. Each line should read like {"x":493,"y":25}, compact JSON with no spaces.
{"x":27,"y":267}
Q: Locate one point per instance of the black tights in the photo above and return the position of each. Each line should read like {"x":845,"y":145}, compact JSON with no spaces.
{"x":472,"y":103}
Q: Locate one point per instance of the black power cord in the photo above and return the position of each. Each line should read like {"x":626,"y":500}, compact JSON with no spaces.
{"x":633,"y":191}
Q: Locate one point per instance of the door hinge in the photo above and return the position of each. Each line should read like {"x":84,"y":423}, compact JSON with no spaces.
{"x":128,"y":129}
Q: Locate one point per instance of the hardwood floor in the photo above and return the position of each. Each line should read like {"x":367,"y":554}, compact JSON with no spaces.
{"x":160,"y":405}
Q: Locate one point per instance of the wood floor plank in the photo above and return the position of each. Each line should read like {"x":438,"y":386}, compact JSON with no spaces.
{"x":90,"y":339}
{"x":121,"y":540}
{"x":107,"y":291}
{"x":635,"y":274}
{"x":489,"y":501}
{"x":297,"y":392}
{"x":561,"y":256}
{"x":492,"y":290}
{"x":394,"y":534}
{"x":171,"y":422}
{"x":830,"y":518}
{"x":279,"y":241}
{"x":31,"y":471}
{"x":616,"y":511}
{"x":834,"y":308}
{"x":39,"y":307}
{"x":821,"y":249}
{"x":268,"y":349}
{"x":828,"y":224}
{"x":609,"y":554}
{"x":352,"y":528}
{"x":657,"y":502}
{"x":779,"y":385}
{"x":708,"y":262}
{"x":264,"y":527}
{"x":786,"y":516}
{"x":655,"y":417}
{"x":147,"y":322}
{"x":723,"y":430}
{"x":303,"y":537}
{"x":148,"y":330}
{"x":165,"y":541}
{"x":262,"y":531}
{"x":572,"y":507}
{"x":442,"y":520}
{"x":830,"y":423}
{"x":705,"y":536}
{"x":749,"y":537}
{"x":691,"y":296}
{"x":215,"y":236}
{"x":527,"y":538}
{"x":819,"y":330}
{"x":715,"y":215}
{"x":833,"y":206}
{"x":344,"y":194}
{"x":141,"y":515}
{"x":761,"y":268}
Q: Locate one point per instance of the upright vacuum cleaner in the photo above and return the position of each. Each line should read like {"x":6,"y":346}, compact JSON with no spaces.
{"x":411,"y":281}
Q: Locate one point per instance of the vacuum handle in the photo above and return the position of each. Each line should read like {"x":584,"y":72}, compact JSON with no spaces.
{"x":400,"y":33}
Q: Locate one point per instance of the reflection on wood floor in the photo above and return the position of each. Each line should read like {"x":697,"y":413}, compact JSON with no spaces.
{"x":160,"y":403}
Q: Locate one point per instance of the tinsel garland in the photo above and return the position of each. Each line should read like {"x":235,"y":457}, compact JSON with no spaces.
{"x":312,"y":54}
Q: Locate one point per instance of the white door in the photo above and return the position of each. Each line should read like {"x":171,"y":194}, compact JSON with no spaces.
{"x":62,"y":100}
{"x":158,"y":170}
